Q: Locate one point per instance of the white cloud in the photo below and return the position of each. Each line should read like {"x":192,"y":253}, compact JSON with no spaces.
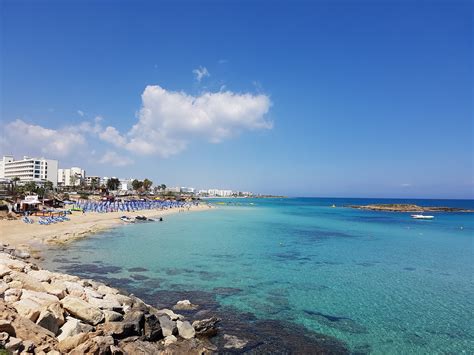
{"x":112,"y":158}
{"x":80,"y":113}
{"x":201,"y":73}
{"x":111,"y":135}
{"x":169,"y":120}
{"x":35,"y":138}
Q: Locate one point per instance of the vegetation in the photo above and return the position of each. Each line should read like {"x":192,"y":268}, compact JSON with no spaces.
{"x":113,"y":184}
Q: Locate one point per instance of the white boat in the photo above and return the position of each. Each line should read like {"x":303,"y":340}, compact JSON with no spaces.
{"x":421,"y":216}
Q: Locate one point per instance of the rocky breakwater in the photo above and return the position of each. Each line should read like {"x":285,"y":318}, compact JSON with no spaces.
{"x":46,"y":312}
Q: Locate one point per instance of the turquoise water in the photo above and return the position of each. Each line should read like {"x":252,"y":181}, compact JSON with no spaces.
{"x":380,"y":282}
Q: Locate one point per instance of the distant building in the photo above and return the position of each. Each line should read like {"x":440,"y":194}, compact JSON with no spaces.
{"x":126,"y":184}
{"x":90,"y":179}
{"x":38,"y":170}
{"x":173,"y":189}
{"x":71,"y":177}
{"x":189,"y":190}
{"x":219,"y":193}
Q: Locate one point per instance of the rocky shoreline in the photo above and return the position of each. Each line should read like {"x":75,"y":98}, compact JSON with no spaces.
{"x":45,"y":312}
{"x":407,"y":208}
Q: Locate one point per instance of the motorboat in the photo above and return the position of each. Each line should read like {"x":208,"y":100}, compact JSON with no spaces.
{"x":421,"y":216}
{"x":127,"y":219}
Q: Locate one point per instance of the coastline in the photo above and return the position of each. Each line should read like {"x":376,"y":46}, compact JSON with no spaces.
{"x":33,"y":237}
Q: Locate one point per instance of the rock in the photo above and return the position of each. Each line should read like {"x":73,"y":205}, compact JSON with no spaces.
{"x":55,"y":289}
{"x":82,"y":310}
{"x":48,"y":321}
{"x":70,"y":328}
{"x":168,"y":326}
{"x":3,"y":287}
{"x":12,"y":295}
{"x":185,"y":329}
{"x":12,"y":264}
{"x":141,"y":347}
{"x":21,"y":254}
{"x":119,"y":330}
{"x":184,"y":305}
{"x":28,"y":308}
{"x":111,"y":316}
{"x":69,"y":343}
{"x":107,"y":290}
{"x":42,"y":298}
{"x":115,"y":350}
{"x":58,"y":312}
{"x":14,"y":344}
{"x":138,"y":304}
{"x":152,"y":328}
{"x":7,"y":327}
{"x":28,"y":346}
{"x":4,"y":270}
{"x":170,"y":339}
{"x":109,"y":304}
{"x":206,"y":327}
{"x":15,"y":284}
{"x":92,"y":293}
{"x":7,"y":279}
{"x":232,"y":342}
{"x":169,"y":313}
{"x":40,"y":275}
{"x":29,"y":283}
{"x":136,"y":319}
{"x":123,"y":300}
{"x":74,"y":288}
{"x":3,"y":338}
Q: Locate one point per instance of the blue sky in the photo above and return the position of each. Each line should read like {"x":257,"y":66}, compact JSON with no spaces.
{"x":320,"y":98}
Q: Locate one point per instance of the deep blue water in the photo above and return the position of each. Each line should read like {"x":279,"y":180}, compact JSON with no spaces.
{"x":380,"y":282}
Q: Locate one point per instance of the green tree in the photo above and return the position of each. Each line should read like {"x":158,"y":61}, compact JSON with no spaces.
{"x":30,"y":187}
{"x":163,"y":187}
{"x":113,"y":184}
{"x":137,"y":184}
{"x":147,"y":184}
{"x":95,"y":183}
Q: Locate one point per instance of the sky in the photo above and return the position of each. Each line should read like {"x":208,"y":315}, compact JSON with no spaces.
{"x":300,"y":98}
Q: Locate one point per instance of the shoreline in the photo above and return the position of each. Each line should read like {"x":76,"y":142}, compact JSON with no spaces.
{"x":34,"y":237}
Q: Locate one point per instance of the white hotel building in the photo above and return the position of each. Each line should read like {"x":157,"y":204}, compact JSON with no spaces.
{"x":71,"y":177}
{"x":29,"y":169}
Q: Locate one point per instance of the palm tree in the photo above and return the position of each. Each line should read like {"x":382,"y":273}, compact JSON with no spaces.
{"x":147,"y":184}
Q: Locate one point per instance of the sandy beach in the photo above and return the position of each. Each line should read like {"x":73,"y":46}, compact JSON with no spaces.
{"x":34,"y":236}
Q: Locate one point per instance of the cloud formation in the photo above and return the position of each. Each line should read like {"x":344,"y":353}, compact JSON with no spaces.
{"x":169,"y":120}
{"x":39,"y":139}
{"x":114,"y":159}
{"x":167,"y":123}
{"x":201,"y":73}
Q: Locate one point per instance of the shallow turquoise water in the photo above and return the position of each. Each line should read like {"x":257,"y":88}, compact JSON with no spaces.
{"x":381,"y":282}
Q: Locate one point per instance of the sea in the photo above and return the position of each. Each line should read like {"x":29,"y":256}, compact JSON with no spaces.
{"x":297,"y":275}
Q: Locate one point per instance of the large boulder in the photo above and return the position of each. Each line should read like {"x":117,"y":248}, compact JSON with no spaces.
{"x":57,"y":289}
{"x":82,"y":310}
{"x":206,"y":327}
{"x":40,"y":275}
{"x":69,"y":329}
{"x":102,"y":303}
{"x":152,"y":329}
{"x":4,"y":269}
{"x":168,"y":326}
{"x":28,"y":282}
{"x":185,"y":329}
{"x":69,"y":343}
{"x":136,"y":319}
{"x":42,"y":298}
{"x":12,"y":264}
{"x":123,"y":300}
{"x":91,"y":293}
{"x":28,"y":308}
{"x":3,"y":287}
{"x":106,"y":290}
{"x":111,"y":316}
{"x":169,"y":313}
{"x":48,"y":320}
{"x":12,"y":295}
{"x":184,"y":305}
{"x":74,"y":288}
{"x":119,"y":330}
